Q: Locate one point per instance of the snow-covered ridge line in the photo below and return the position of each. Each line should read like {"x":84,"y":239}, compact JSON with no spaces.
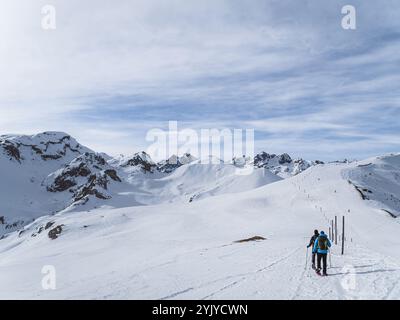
{"x":47,"y":146}
{"x":377,"y":180}
{"x":51,"y":172}
{"x":281,"y":165}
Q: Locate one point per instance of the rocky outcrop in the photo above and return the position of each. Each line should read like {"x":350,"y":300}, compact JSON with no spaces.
{"x":284,"y":158}
{"x":140,"y":160}
{"x":87,"y":175}
{"x":10,"y":150}
{"x":263,"y":158}
{"x":282,"y":165}
{"x":55,"y":232}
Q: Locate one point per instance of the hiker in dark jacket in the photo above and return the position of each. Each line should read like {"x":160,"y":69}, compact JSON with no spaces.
{"x":311,"y":244}
{"x":321,"y":247}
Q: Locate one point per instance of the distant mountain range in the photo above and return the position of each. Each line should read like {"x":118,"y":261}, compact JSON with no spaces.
{"x":51,"y":172}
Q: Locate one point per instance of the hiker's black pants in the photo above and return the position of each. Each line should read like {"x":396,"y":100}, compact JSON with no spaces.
{"x":313,"y":258}
{"x":322,"y":256}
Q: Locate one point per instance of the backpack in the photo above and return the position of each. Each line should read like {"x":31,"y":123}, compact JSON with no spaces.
{"x":323,"y":243}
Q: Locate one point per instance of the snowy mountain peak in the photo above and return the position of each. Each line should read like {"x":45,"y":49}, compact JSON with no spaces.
{"x":43,"y":146}
{"x":139,"y":160}
{"x":282,"y":165}
{"x":174,"y":162}
{"x":187,"y":158}
{"x":85,"y":176}
{"x":284,"y":158}
{"x":264,"y":158}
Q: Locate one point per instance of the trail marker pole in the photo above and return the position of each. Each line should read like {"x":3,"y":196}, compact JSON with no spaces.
{"x":333,"y":233}
{"x":343,"y":237}
{"x":335,"y":229}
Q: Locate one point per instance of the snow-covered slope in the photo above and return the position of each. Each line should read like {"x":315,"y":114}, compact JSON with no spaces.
{"x":198,"y":180}
{"x":25,"y":161}
{"x":193,"y":181}
{"x":378,"y":181}
{"x":193,"y":250}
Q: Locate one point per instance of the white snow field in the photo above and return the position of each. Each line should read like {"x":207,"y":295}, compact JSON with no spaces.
{"x":187,"y":250}
{"x":197,"y":180}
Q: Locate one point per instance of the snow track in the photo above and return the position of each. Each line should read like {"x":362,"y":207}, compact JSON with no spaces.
{"x":365,"y":276}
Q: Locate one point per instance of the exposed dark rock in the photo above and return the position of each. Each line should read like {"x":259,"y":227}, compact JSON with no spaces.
{"x":256,"y":238}
{"x":261,"y":158}
{"x":90,"y":189}
{"x":12,"y":150}
{"x":363,"y":196}
{"x":364,"y":165}
{"x":391,"y":214}
{"x":60,"y":184}
{"x":169,"y":165}
{"x":192,"y":198}
{"x":37,"y":150}
{"x":91,"y":166}
{"x":284,"y":158}
{"x":113,"y":175}
{"x":51,"y":156}
{"x":142,"y":161}
{"x":55,"y":232}
{"x":49,"y":224}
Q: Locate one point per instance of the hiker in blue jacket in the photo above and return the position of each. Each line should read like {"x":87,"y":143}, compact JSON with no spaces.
{"x":321,"y":247}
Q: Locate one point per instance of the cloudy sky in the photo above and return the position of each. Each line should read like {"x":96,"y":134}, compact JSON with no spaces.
{"x":112,"y":70}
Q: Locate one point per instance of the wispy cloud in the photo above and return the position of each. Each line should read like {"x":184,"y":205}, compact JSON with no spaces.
{"x":111,"y":71}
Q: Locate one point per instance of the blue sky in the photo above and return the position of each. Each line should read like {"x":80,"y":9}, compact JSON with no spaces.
{"x":110,"y":72}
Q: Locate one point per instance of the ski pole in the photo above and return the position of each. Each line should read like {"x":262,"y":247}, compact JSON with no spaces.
{"x":306,"y":259}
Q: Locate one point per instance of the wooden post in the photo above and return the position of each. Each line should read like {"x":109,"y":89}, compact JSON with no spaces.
{"x":343,"y":237}
{"x":336,"y":230}
{"x":333,"y":233}
{"x":330,"y":234}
